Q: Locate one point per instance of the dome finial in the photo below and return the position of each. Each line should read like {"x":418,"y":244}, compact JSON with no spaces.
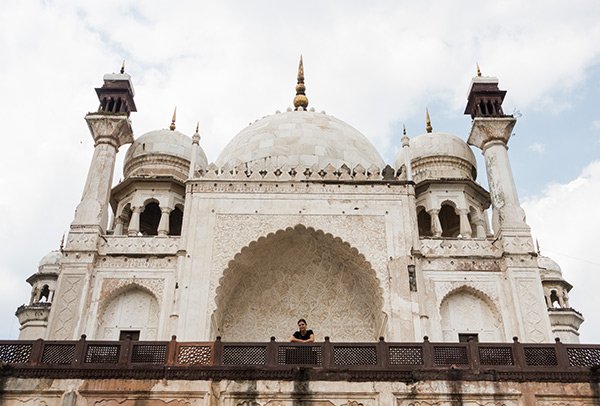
{"x":172,"y":126}
{"x":428,"y":126}
{"x":404,"y":129}
{"x":478,"y":70}
{"x":300,"y":100}
{"x":123,"y":67}
{"x":196,"y":136}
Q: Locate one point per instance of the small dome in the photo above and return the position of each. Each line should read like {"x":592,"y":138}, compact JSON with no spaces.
{"x":51,"y":258}
{"x":549,"y":269}
{"x":161,"y":153}
{"x":439,"y":155}
{"x":301,"y":138}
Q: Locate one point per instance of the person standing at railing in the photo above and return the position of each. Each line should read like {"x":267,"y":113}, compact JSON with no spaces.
{"x":303,"y":335}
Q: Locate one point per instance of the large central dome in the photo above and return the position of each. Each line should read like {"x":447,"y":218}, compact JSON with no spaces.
{"x":300,"y":138}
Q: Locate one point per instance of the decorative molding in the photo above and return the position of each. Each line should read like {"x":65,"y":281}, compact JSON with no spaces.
{"x":263,"y":170}
{"x":167,"y":263}
{"x":110,"y":286}
{"x":435,"y":247}
{"x":303,"y":187}
{"x":112,"y":245}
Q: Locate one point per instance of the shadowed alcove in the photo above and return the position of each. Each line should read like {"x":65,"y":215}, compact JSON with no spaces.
{"x":298,"y":273}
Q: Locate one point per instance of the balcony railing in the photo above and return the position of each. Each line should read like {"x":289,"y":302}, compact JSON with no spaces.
{"x":287,"y":361}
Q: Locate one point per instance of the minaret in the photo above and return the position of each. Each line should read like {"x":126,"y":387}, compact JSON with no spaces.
{"x":110,"y":128}
{"x":490,"y":131}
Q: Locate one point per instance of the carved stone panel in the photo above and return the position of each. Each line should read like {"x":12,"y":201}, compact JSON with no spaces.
{"x":67,"y":307}
{"x":533,"y":321}
{"x":234,"y":232}
{"x":299,"y":273}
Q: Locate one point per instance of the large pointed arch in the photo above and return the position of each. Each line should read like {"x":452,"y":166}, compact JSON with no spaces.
{"x":297,"y":273}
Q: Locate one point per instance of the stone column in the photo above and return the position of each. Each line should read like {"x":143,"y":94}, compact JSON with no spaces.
{"x":109,"y":133}
{"x":118,"y":226}
{"x":465,"y":226}
{"x":491,"y":135}
{"x":163,"y":225}
{"x":134,"y":222}
{"x":436,"y":226}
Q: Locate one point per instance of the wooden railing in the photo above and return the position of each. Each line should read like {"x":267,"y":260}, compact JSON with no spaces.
{"x":279,"y":360}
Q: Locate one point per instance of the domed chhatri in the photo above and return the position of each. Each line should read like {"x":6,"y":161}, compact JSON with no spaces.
{"x":300,"y":138}
{"x":51,"y":258}
{"x":161,"y":152}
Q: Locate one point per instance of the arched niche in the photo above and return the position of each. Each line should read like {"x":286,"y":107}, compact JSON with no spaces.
{"x":298,"y":273}
{"x":129,"y":308}
{"x":469,"y":311}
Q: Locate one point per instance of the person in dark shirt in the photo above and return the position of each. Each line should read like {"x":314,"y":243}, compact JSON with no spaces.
{"x":303,"y":335}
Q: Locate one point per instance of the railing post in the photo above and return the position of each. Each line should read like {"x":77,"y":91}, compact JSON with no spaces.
{"x":218,"y":352}
{"x":125,"y":353}
{"x":37,"y":350}
{"x":80,"y":351}
{"x":328,"y":361}
{"x":427,"y":353}
{"x":562,"y":355}
{"x":473,"y":351}
{"x":172,"y":351}
{"x":272,"y":353}
{"x":518,"y":354}
{"x":382,"y":359}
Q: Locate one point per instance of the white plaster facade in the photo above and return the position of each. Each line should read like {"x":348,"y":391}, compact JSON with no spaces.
{"x":299,"y":217}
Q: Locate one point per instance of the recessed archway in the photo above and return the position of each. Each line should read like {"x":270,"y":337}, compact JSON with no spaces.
{"x":298,"y":273}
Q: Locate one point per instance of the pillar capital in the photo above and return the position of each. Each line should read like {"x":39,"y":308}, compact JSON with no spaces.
{"x":486,"y":130}
{"x":110,"y":129}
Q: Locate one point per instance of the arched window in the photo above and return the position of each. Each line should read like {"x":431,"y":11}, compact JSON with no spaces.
{"x":149,"y":219}
{"x":44,"y":294}
{"x":450,"y":221}
{"x":175,"y":221}
{"x":424,"y":222}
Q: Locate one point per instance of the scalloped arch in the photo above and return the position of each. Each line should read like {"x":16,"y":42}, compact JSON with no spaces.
{"x":298,"y":272}
{"x":490,"y":328}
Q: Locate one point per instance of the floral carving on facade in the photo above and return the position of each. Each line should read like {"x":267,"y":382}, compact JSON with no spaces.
{"x":297,"y":273}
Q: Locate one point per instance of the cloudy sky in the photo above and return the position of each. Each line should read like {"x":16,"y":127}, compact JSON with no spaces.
{"x":376,"y":66}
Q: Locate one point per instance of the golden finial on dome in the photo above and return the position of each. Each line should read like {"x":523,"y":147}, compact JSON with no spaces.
{"x":300,"y":100}
{"x":172,"y":126}
{"x":428,"y":126}
{"x":123,"y":67}
{"x":197,"y":126}
{"x":478,"y":70}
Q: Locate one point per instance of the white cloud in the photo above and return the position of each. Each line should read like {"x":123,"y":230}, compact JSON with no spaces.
{"x":565,"y":221}
{"x":537,"y":147}
{"x":226,"y":65}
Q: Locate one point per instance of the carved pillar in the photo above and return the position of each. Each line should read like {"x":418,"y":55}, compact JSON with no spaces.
{"x":465,"y":226}
{"x":491,"y":135}
{"x":109,"y":133}
{"x":436,"y":226}
{"x":163,"y":225}
{"x":134,"y":222}
{"x":118,"y":226}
